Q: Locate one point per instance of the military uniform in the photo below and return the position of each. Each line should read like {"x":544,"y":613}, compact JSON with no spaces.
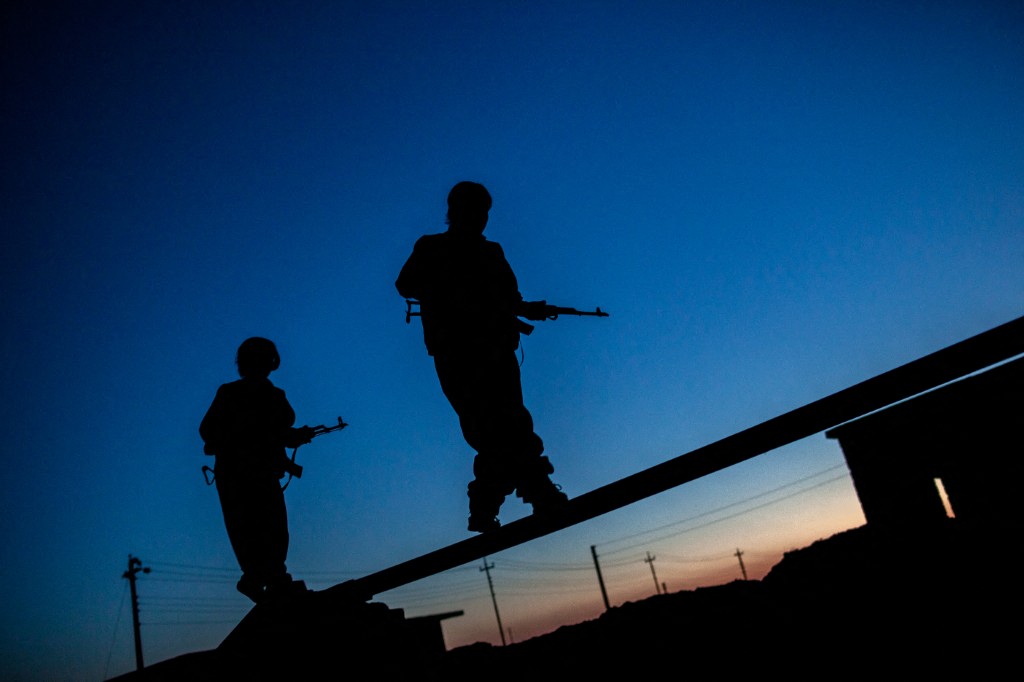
{"x":469,"y":306}
{"x":247,"y":428}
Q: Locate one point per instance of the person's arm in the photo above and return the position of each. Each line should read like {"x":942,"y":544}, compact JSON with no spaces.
{"x":211,"y":428}
{"x":410,"y":279}
{"x":298,"y":435}
{"x":291,"y":436}
{"x":533,"y":310}
{"x":506,"y":295}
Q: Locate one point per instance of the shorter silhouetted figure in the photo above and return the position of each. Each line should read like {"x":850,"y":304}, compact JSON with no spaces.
{"x":247,"y":428}
{"x":470,"y":306}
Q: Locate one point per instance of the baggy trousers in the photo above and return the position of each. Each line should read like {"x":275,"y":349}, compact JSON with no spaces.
{"x":257,"y":523}
{"x":485,"y":390}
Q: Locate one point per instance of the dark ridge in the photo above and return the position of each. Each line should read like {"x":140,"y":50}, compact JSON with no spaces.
{"x":861,"y":602}
{"x":931,"y":601}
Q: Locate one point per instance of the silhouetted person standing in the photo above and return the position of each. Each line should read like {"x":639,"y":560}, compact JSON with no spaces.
{"x":469,"y":306}
{"x":247,"y":427}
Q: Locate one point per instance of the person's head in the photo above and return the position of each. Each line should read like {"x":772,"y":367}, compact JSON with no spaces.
{"x":257,"y":357}
{"x":468,"y":204}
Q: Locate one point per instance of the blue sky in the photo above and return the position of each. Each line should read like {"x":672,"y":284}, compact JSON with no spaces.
{"x":773,"y":201}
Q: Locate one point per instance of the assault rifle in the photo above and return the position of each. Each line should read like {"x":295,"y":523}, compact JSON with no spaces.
{"x":295,"y":470}
{"x":291,"y":468}
{"x":551,"y":312}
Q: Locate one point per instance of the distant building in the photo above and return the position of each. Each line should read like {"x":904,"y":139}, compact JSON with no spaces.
{"x":428,"y":634}
{"x":961,"y":441}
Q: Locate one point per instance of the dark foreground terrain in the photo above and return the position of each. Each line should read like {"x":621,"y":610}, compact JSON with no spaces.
{"x":941,"y":602}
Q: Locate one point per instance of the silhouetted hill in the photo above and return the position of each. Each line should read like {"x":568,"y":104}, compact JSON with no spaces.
{"x":863,"y":602}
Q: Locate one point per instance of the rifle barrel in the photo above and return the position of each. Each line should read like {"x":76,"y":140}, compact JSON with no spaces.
{"x":557,"y":310}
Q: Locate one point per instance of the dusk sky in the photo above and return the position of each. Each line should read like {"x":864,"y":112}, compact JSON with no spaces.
{"x":772,"y":200}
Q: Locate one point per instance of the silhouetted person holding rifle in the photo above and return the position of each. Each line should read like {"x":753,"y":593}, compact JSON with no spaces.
{"x":247,"y":427}
{"x":470,"y":306}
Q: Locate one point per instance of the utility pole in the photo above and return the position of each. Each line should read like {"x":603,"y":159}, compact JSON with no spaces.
{"x":487,"y":569}
{"x":650,"y":560}
{"x":600,"y":580}
{"x":739,"y":555}
{"x":134,"y":566}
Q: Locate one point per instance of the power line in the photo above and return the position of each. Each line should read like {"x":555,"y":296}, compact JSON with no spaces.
{"x":158,"y":598}
{"x":194,"y":581}
{"x":194,"y":567}
{"x":533,"y":591}
{"x":553,"y":567}
{"x":732,"y":504}
{"x":726,"y":518}
{"x":193,"y":623}
{"x":707,"y":559}
{"x":197,"y":609}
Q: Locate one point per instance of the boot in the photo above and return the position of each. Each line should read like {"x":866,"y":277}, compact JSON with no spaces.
{"x":251,"y":588}
{"x":538,"y":490}
{"x":545,"y":496}
{"x":284,"y":586}
{"x":484,"y":504}
{"x":483,"y":524}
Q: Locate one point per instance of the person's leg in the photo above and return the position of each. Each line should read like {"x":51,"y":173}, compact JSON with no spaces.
{"x":535,"y":487}
{"x":465,"y":381}
{"x":487,"y":491}
{"x":528,"y":470}
{"x":486,"y":392}
{"x":273,"y":520}
{"x":236,"y":505}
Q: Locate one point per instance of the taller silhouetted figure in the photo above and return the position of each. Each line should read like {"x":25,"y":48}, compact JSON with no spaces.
{"x":470,"y":306}
{"x":247,"y":427}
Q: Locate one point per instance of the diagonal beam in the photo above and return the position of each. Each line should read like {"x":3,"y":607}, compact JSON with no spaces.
{"x":951,"y":363}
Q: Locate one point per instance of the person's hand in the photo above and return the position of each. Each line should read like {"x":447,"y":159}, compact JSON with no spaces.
{"x":299,"y":436}
{"x":534,"y":310}
{"x":304,"y":434}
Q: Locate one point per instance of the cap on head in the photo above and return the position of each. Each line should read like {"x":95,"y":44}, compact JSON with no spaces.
{"x":257,"y":356}
{"x":468,"y":203}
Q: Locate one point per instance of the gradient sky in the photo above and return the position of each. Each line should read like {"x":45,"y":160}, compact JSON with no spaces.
{"x":773,"y":201}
